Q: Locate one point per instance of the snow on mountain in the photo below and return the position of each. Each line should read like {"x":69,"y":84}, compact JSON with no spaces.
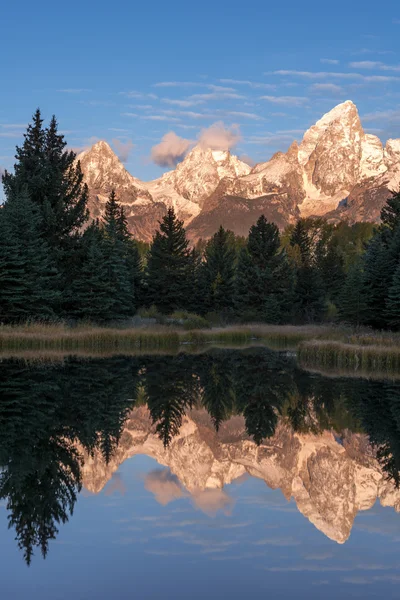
{"x":195,"y":179}
{"x":335,"y":160}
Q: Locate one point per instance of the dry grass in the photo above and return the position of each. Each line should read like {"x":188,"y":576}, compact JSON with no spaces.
{"x":86,"y":339}
{"x":321,"y":347}
{"x":357,"y":357}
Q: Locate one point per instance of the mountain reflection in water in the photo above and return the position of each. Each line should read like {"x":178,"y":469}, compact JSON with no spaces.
{"x":331,"y":444}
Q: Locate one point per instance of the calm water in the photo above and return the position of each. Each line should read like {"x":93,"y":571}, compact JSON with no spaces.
{"x":225,"y":474}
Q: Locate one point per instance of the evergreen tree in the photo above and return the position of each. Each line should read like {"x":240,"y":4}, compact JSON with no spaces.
{"x":54,"y":182}
{"x":28,"y":277}
{"x":380,"y":264}
{"x":115,"y":242}
{"x":352,"y":298}
{"x":218,"y":273}
{"x":393,"y":301}
{"x":264,"y":277}
{"x":133,"y":259}
{"x":309,"y":288}
{"x":90,"y":291}
{"x":168,"y":265}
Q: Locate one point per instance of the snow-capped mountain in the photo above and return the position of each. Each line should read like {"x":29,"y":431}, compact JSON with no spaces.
{"x":337,"y":170}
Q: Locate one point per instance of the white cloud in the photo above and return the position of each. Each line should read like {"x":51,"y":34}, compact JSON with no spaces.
{"x":285,"y":100}
{"x":330,"y":88}
{"x":247,"y":159}
{"x":373,"y":64}
{"x":336,"y":75}
{"x":219,"y":137}
{"x":252,"y":84}
{"x":123,"y":149}
{"x":171,"y":150}
{"x":73,"y":91}
{"x":217,"y":96}
{"x":13,"y":125}
{"x":329,"y":61}
{"x":181,"y":103}
{"x":210,"y":501}
{"x":244,"y":115}
{"x":163,"y":485}
{"x":134,"y":94}
{"x":178,"y":84}
{"x":382,"y":115}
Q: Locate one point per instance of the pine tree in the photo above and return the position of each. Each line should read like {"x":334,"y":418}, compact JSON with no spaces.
{"x":390,"y":213}
{"x":393,"y":301}
{"x":379,"y":267}
{"x":53,"y":181}
{"x":352,"y":298}
{"x":309,"y":289}
{"x":90,"y":292}
{"x":28,"y":276}
{"x":264,"y":277}
{"x":120,"y":287}
{"x":168,"y":265}
{"x":380,"y":264}
{"x":218,"y":273}
{"x":133,"y":259}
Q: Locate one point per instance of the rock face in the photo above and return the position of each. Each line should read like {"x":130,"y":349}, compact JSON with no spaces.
{"x":329,"y":481}
{"x":337,"y":170}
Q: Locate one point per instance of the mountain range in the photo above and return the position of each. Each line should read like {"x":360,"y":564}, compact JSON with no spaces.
{"x":337,"y":171}
{"x":329,"y":479}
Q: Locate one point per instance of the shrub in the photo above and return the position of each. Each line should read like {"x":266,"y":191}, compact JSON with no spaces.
{"x":196,"y":322}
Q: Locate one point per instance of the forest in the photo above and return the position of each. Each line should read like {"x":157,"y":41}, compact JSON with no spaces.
{"x":58,"y":264}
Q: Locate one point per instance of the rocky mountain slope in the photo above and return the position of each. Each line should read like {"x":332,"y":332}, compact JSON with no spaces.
{"x":337,"y":170}
{"x":329,"y":481}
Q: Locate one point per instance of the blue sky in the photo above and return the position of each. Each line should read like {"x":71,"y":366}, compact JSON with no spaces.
{"x":132,"y":72}
{"x":125,"y":543}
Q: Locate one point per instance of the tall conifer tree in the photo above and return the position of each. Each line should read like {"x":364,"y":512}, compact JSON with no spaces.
{"x":264,"y":279}
{"x":168,"y":265}
{"x":219,"y":273}
{"x":28,"y":276}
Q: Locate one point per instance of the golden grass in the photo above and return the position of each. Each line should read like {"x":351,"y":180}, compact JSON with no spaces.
{"x":356,"y":357}
{"x":319,"y":346}
{"x":87,"y":340}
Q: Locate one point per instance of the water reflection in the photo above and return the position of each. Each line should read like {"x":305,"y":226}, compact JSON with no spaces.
{"x":331,"y":444}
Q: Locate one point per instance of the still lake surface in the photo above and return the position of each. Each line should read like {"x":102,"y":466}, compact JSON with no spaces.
{"x":230,"y":473}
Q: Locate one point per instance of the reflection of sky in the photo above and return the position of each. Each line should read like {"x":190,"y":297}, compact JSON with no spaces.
{"x":140,"y":540}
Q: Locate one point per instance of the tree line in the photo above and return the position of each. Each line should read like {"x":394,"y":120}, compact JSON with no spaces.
{"x":56,"y":263}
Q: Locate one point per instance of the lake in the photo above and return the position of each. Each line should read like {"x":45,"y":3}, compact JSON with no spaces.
{"x":227,"y":473}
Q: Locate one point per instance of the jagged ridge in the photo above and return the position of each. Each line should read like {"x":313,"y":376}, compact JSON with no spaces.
{"x":336,"y":160}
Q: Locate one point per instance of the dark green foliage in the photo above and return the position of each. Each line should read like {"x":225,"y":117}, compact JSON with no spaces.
{"x":53,"y":180}
{"x":168,"y":266}
{"x":393,"y":301}
{"x":380,"y":264}
{"x":264,"y":284}
{"x":119,"y":272}
{"x":28,"y":277}
{"x":309,"y":289}
{"x":90,"y":291}
{"x":218,"y":273}
{"x":352,"y":304}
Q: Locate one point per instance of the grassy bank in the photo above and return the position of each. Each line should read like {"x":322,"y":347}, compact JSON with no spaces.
{"x":88,"y":339}
{"x":379,"y":357}
{"x":323,"y":348}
